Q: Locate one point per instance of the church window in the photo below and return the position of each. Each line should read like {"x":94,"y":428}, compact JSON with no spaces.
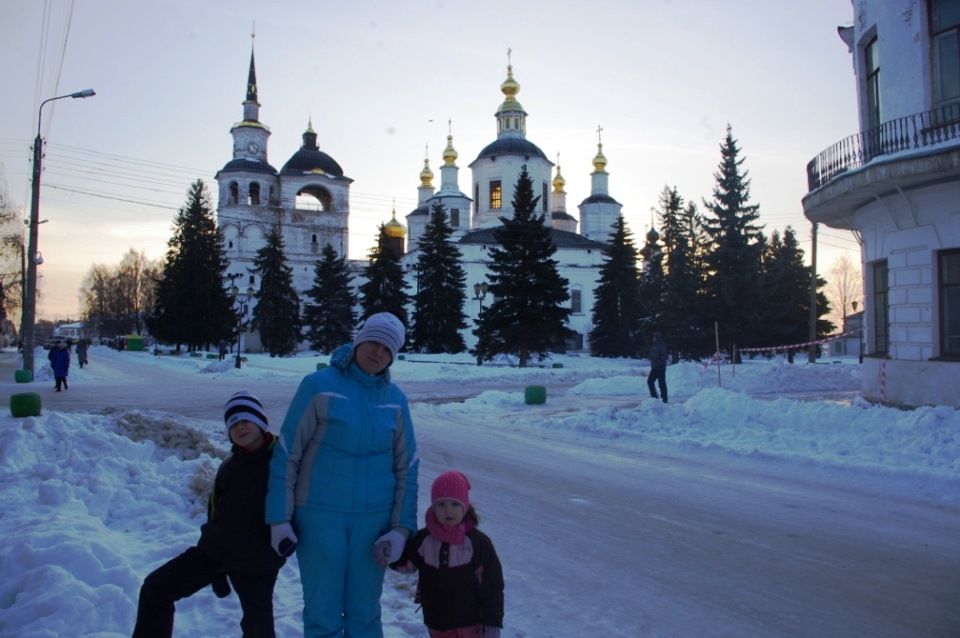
{"x":496,"y":193}
{"x":230,"y":244}
{"x":254,"y":199}
{"x":543,"y":198}
{"x":576,"y":301}
{"x":476,"y":199}
{"x":234,"y":193}
{"x":313,"y":238}
{"x":455,"y":217}
{"x":252,"y":279}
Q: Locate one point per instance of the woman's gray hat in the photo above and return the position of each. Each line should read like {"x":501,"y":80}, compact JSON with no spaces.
{"x":383,"y":328}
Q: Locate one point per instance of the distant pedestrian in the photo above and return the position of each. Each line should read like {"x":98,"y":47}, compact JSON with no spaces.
{"x":461,"y":579}
{"x":659,"y":354}
{"x":19,"y":346}
{"x":222,"y":348}
{"x":59,"y":358}
{"x":82,"y":352}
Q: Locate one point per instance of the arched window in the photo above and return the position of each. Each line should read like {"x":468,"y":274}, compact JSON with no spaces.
{"x":254,"y":194}
{"x":234,"y":193}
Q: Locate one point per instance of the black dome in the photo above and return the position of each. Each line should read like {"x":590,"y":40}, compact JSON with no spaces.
{"x":308,"y":160}
{"x":511,"y":146}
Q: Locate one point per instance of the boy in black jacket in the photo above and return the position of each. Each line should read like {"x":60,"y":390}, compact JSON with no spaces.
{"x":234,"y":542}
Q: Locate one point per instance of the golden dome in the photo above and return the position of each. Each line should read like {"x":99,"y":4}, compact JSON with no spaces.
{"x":393,"y":228}
{"x":426,"y":175}
{"x":558,"y":182}
{"x":600,"y":161}
{"x":450,"y":154}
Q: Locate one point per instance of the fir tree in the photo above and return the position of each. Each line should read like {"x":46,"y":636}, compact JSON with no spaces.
{"x":438,"y":315}
{"x":682,"y":318}
{"x":787,"y":294}
{"x":616,"y":311}
{"x":192,"y":304}
{"x":528,"y":316}
{"x":384,"y":289}
{"x":277,"y":313}
{"x":331,"y":318}
{"x":733,"y":259}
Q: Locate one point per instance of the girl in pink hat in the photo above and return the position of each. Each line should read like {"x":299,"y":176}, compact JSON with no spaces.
{"x":461,"y":580}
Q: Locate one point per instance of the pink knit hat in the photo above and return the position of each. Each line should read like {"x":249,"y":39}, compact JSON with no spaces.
{"x":451,"y":485}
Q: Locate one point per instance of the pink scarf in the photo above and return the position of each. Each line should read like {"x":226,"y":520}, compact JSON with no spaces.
{"x":447,"y":534}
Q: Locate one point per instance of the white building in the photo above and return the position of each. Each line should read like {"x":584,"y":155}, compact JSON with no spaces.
{"x":896,"y":184}
{"x":310,"y":199}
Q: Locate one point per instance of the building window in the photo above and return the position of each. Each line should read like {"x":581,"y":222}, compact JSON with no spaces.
{"x":543,"y":197}
{"x":313,"y":238}
{"x":950,"y":303}
{"x":455,"y":217}
{"x":476,"y":199}
{"x":576,"y":301}
{"x":254,"y":194}
{"x":944,"y":26}
{"x":881,"y":308}
{"x":871,"y":62}
{"x":496,"y":193}
{"x":234,"y":193}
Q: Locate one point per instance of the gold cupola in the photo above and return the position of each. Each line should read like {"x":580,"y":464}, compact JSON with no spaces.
{"x":450,"y":154}
{"x":558,"y":181}
{"x":426,"y":175}
{"x":393,"y":228}
{"x":600,"y":160}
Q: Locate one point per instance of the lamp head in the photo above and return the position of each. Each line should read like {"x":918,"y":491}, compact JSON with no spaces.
{"x":83,"y":93}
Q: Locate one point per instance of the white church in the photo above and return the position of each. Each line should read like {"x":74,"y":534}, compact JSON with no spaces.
{"x":309,"y":197}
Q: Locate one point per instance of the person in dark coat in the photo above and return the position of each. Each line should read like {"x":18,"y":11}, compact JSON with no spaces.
{"x":659,"y":355}
{"x":234,"y":546}
{"x":461,"y":579}
{"x":60,"y":363}
{"x":82,"y":352}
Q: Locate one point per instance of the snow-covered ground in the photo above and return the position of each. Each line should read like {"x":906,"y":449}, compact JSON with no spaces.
{"x":111,"y":481}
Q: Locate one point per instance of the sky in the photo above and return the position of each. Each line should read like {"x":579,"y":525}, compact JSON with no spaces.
{"x":384,"y":82}
{"x":95,"y":499}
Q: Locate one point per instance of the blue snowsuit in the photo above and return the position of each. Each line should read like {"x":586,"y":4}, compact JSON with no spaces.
{"x":344,"y":473}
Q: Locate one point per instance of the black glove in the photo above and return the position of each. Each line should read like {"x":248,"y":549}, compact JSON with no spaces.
{"x":220,"y":585}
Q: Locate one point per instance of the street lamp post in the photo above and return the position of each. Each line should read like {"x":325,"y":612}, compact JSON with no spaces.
{"x":479,"y":292}
{"x":29,"y":315}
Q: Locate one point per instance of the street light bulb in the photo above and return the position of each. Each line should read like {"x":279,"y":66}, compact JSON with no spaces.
{"x":83,"y":93}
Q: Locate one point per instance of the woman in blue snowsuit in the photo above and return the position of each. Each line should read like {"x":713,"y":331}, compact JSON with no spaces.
{"x":60,"y":364}
{"x":343,"y":482}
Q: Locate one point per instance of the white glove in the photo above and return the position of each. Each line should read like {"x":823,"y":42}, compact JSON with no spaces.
{"x":389,"y":547}
{"x":491,"y":632}
{"x":279,"y":533}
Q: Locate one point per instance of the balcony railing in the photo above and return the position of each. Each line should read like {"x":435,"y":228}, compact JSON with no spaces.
{"x":929,"y":128}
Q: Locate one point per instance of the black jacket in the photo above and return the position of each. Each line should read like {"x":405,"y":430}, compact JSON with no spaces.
{"x":235,"y":533}
{"x":460,"y":595}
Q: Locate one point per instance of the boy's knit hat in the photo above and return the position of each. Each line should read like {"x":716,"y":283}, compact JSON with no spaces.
{"x":451,"y":485}
{"x":383,"y":328}
{"x":244,"y":406}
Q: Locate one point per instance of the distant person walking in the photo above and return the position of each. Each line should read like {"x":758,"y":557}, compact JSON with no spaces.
{"x":222,"y":347}
{"x":659,"y":355}
{"x":82,"y":352}
{"x":59,"y":358}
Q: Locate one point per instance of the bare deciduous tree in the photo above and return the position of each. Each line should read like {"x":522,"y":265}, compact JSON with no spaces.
{"x":844,"y":287}
{"x":115,"y":299}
